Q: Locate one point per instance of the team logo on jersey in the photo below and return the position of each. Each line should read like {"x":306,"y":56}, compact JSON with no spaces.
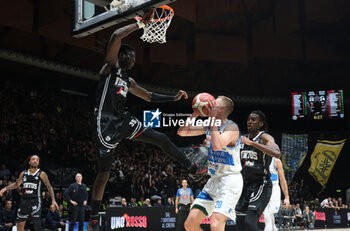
{"x":122,"y":85}
{"x":151,"y":118}
{"x":24,"y":178}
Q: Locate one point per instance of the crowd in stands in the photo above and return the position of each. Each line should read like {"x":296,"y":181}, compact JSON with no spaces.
{"x":57,"y":126}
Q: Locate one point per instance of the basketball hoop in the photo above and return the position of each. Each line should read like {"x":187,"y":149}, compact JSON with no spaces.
{"x":155,"y":30}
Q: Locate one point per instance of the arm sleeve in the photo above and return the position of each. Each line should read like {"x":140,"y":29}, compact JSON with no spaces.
{"x":160,"y":98}
{"x":191,"y":192}
{"x":178,"y":193}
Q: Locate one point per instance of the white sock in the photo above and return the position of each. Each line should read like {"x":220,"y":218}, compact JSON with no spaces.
{"x":269,"y":222}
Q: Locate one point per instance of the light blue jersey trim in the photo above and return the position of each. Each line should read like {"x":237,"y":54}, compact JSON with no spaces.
{"x":204,"y":196}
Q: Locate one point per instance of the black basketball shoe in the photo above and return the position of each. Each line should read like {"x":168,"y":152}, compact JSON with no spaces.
{"x":199,"y":157}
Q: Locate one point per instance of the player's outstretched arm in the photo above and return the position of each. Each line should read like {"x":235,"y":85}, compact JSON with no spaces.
{"x":45,"y":179}
{"x":115,"y":42}
{"x":142,"y":93}
{"x":117,"y":36}
{"x":282,"y":180}
{"x":189,"y":128}
{"x":14,"y":185}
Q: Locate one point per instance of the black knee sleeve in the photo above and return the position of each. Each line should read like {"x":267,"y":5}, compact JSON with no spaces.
{"x":240,"y":223}
{"x":251,"y":221}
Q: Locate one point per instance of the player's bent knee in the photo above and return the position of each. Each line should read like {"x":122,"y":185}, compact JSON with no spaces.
{"x":188,"y":226}
{"x":217,"y":222}
{"x":191,"y":224}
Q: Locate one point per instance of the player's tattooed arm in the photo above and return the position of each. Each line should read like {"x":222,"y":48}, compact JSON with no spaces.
{"x":45,"y":179}
{"x":14,"y":185}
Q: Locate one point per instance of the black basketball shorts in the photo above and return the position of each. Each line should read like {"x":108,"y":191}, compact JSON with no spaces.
{"x":110,"y":130}
{"x":29,"y":208}
{"x":255,"y":196}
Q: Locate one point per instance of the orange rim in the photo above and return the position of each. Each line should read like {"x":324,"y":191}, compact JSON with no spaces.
{"x":166,"y":7}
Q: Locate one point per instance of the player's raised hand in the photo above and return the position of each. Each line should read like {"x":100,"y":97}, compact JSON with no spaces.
{"x":181,"y":94}
{"x":147,"y":17}
{"x":212,"y":108}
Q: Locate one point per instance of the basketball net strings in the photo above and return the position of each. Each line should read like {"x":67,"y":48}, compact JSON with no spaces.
{"x":155,"y":30}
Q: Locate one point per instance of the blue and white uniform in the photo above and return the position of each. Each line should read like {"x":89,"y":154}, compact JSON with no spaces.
{"x":275,"y":199}
{"x":222,"y":191}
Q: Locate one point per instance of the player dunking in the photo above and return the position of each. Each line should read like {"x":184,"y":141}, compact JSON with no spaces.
{"x":222,"y":191}
{"x":258,"y":148}
{"x":277,"y":175}
{"x":30,"y":205}
{"x":113,"y":122}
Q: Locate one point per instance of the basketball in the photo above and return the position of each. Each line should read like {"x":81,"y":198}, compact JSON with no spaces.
{"x":199,"y":101}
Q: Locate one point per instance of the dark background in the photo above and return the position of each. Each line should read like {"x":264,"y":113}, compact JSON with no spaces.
{"x":256,"y":51}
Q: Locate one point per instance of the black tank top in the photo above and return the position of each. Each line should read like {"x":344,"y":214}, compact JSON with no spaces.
{"x":255,"y":163}
{"x":31,"y":187}
{"x":111,"y":92}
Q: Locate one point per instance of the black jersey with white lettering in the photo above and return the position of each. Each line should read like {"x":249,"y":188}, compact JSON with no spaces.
{"x":31,"y":186}
{"x":255,"y":163}
{"x":111,"y":92}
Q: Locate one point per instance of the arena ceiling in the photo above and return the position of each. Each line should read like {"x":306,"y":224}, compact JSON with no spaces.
{"x":242,"y":47}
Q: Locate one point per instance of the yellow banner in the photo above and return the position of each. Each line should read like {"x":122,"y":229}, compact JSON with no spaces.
{"x":323,"y":159}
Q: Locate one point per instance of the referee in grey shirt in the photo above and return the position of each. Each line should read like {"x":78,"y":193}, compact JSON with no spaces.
{"x":184,"y":199}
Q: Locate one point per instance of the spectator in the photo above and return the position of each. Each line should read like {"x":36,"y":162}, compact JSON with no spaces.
{"x":309,"y":218}
{"x":53,"y":219}
{"x":327,"y":203}
{"x":335,"y":204}
{"x":315,"y":204}
{"x":133,"y":202}
{"x":170,"y":202}
{"x":4,"y":171}
{"x":124,"y":202}
{"x":77,"y":197}
{"x":7,"y":217}
{"x":288,"y":215}
{"x":341,"y":204}
{"x":298,"y":215}
{"x":147,"y":203}
{"x":158,"y":203}
{"x":141,"y":202}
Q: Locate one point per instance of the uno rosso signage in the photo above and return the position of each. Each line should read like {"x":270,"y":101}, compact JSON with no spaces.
{"x":155,"y":218}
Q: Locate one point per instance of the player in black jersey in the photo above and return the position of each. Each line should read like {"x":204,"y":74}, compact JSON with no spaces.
{"x":30,"y":205}
{"x":113,"y":122}
{"x":257,"y":150}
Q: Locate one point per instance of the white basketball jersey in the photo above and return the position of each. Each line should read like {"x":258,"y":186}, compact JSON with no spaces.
{"x":225,"y":161}
{"x":273,"y":172}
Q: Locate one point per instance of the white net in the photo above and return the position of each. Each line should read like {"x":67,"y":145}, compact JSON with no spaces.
{"x":155,"y":30}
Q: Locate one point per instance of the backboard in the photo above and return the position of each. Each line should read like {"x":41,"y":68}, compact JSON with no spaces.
{"x":93,"y":15}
